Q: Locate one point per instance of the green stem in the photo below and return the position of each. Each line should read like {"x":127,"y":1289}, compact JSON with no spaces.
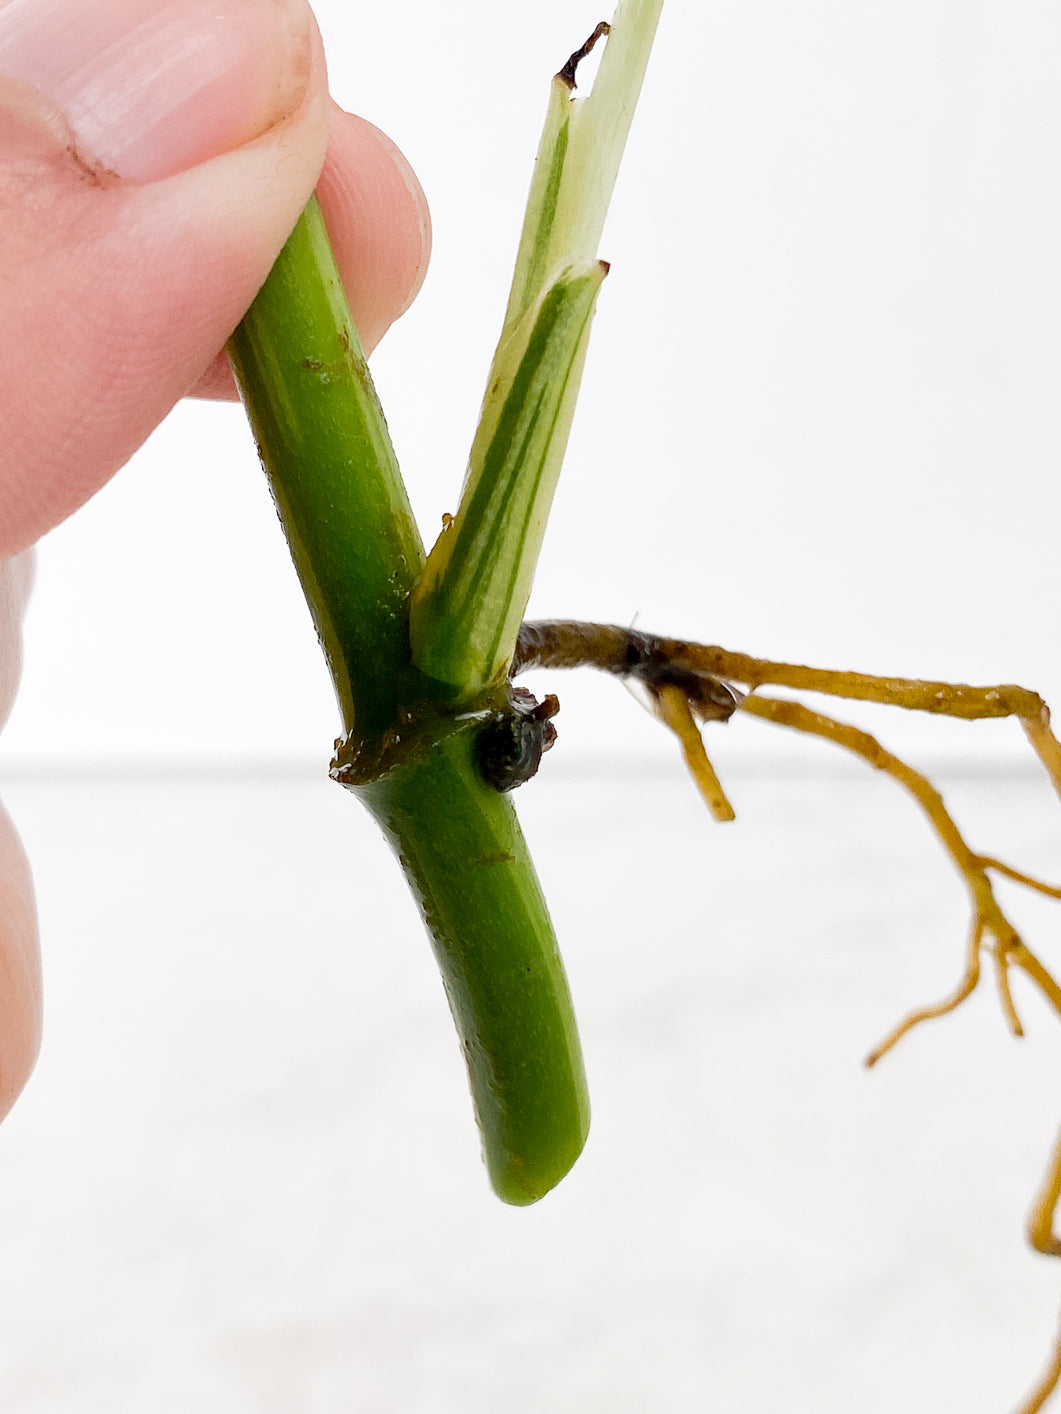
{"x":327,"y":454}
{"x":325,"y":448}
{"x":467,"y":863}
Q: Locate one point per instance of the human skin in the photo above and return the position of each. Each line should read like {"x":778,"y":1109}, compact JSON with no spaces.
{"x":133,"y":237}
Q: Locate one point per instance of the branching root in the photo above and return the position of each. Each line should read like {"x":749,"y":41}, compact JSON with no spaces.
{"x":1043,"y":1238}
{"x":989,"y":922}
{"x":689,"y":683}
{"x":672,"y":706}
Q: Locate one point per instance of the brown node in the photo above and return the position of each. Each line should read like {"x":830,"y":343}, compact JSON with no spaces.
{"x":568,"y":72}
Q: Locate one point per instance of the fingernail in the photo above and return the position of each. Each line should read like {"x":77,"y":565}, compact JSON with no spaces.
{"x":153,"y":87}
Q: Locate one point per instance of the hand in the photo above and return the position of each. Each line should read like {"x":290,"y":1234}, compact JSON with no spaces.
{"x":154,"y":155}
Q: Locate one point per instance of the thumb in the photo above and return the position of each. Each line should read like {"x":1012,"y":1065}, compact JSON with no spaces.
{"x":154,"y":155}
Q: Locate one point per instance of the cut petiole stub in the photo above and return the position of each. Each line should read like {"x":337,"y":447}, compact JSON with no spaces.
{"x":466,"y":609}
{"x":579,"y":154}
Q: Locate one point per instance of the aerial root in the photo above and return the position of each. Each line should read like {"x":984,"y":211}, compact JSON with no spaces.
{"x":1045,"y":745}
{"x":687,"y":681}
{"x":1007,"y":947}
{"x":944,"y":699}
{"x":1042,"y":1237}
{"x":1005,"y":994}
{"x":965,"y":988}
{"x":1047,"y":1384}
{"x":989,"y":922}
{"x":1041,"y":1233}
{"x":673,"y":709}
{"x":1028,"y":880}
{"x":690,"y":681}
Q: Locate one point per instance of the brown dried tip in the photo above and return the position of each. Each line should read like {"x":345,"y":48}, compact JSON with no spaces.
{"x":567,"y":73}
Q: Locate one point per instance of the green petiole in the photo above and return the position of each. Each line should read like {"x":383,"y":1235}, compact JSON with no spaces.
{"x":469,"y":603}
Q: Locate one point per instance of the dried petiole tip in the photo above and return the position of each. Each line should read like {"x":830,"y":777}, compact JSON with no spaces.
{"x":674,"y":711}
{"x":570,"y":69}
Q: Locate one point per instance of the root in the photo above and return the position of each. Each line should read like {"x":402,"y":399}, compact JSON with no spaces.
{"x":1042,"y":1237}
{"x":989,"y":922}
{"x":674,"y":711}
{"x":690,"y":682}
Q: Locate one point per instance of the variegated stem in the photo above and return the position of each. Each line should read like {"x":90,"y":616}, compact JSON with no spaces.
{"x":467,"y":608}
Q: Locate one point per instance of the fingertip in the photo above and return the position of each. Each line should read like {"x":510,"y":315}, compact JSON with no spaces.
{"x":378,"y":222}
{"x":380,"y":230}
{"x":118,"y":294}
{"x":20,"y":969}
{"x":217,"y":384}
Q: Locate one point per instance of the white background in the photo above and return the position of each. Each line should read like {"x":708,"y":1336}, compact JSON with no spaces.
{"x":245,"y":1177}
{"x":820,"y":422}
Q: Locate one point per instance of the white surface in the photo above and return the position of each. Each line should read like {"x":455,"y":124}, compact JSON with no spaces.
{"x":821,"y":417}
{"x":245,"y":1176}
{"x":820,"y":422}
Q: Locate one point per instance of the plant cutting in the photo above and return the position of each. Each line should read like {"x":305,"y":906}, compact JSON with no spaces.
{"x":424,"y":648}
